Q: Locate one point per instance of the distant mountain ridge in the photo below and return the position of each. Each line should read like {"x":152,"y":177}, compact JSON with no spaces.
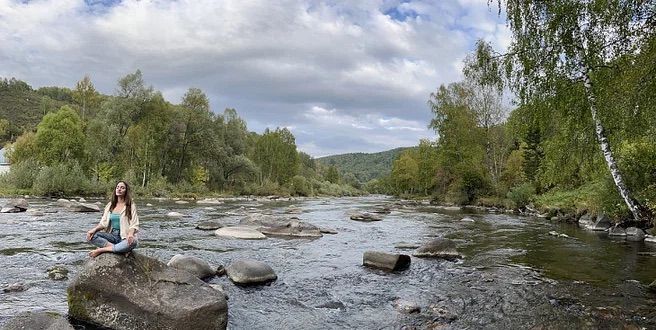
{"x":364,"y":166}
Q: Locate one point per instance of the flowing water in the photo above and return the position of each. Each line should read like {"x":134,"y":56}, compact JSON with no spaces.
{"x":513,"y":274}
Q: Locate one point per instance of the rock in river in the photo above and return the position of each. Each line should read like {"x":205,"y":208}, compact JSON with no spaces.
{"x":139,"y":292}
{"x":249,"y":271}
{"x":366,"y":217}
{"x":293,"y":228}
{"x":386,"y":261}
{"x":38,"y":320}
{"x":241,"y":232}
{"x":15,"y":206}
{"x":197,"y":266}
{"x":635,"y":234}
{"x":208,"y":225}
{"x":438,"y":248}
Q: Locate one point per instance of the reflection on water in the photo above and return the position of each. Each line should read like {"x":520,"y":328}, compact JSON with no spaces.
{"x":513,"y":273}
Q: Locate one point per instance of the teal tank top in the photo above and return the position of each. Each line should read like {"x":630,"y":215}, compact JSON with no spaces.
{"x":115,"y":220}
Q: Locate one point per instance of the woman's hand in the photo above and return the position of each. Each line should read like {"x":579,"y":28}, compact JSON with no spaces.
{"x":130,"y":239}
{"x":90,"y":234}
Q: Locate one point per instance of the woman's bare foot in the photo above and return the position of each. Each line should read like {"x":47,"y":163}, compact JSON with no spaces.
{"x":95,"y":253}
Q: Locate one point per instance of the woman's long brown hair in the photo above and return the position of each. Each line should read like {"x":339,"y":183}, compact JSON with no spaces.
{"x":128,"y":200}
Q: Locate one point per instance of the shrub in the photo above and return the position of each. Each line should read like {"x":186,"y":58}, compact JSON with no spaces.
{"x":300,"y":186}
{"x":521,"y":194}
{"x":23,"y":174}
{"x":63,"y":179}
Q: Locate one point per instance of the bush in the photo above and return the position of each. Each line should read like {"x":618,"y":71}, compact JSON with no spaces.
{"x":63,"y":179}
{"x":521,"y":194}
{"x":300,"y":186}
{"x":23,"y":174}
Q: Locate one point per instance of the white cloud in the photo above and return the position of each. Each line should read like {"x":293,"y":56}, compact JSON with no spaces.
{"x":272,"y":61}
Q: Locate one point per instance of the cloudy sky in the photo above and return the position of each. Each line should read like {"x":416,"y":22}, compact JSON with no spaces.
{"x":343,"y":76}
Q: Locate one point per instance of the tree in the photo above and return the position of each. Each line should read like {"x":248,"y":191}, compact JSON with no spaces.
{"x":85,"y":95}
{"x":60,"y":137}
{"x":575,"y":40}
{"x":275,"y":154}
{"x":405,"y":172}
{"x":332,"y":175}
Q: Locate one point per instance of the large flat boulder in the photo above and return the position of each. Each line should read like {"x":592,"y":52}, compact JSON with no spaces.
{"x":139,"y":292}
{"x":240,"y":232}
{"x":293,"y":229}
{"x":38,"y":320}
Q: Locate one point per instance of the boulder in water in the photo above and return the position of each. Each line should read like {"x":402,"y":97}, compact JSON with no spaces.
{"x":208,"y":225}
{"x":247,"y":271}
{"x":14,"y":287}
{"x":366,"y":217}
{"x":443,"y":248}
{"x":15,"y":206}
{"x":616,"y":231}
{"x":601,"y":223}
{"x":386,"y":261}
{"x":57,"y":272}
{"x":38,"y":320}
{"x":293,"y":228}
{"x":407,"y":307}
{"x":241,"y":232}
{"x":139,"y":292}
{"x":83,"y":207}
{"x":210,"y":201}
{"x":652,"y":286}
{"x":197,"y":266}
{"x":175,"y":215}
{"x":635,"y":234}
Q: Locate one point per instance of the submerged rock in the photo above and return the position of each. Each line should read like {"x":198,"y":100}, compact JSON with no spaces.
{"x":241,"y":232}
{"x":443,"y":248}
{"x":57,"y":272}
{"x":407,"y":307}
{"x":14,"y":287}
{"x":197,"y":266}
{"x":175,"y":215}
{"x":38,"y":320}
{"x":386,"y":261}
{"x":211,"y":201}
{"x":249,"y":271}
{"x":139,"y":292}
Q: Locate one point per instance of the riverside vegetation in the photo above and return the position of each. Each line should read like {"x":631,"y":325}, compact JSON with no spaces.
{"x":582,"y":73}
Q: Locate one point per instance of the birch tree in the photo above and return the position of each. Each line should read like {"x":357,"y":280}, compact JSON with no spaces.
{"x":576,"y":40}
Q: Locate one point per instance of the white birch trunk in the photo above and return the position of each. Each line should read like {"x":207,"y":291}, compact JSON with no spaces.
{"x":608,"y":155}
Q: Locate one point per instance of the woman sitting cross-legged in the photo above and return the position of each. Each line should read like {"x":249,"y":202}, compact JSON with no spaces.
{"x":118,"y":226}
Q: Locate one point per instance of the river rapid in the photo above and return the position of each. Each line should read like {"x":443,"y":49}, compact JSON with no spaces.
{"x":513,"y":273}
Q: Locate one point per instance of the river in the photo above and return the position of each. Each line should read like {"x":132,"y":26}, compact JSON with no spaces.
{"x":513,"y":274}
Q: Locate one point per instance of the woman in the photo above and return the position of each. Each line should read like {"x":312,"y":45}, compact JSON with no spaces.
{"x":119,"y":224}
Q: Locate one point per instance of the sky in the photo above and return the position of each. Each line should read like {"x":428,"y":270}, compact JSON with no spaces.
{"x":343,"y":76}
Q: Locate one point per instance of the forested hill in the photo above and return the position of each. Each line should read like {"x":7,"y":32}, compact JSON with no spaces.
{"x":364,"y":166}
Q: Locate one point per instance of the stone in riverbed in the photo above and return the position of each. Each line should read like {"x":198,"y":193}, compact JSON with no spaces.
{"x":38,"y":320}
{"x":14,"y":287}
{"x":241,"y":232}
{"x":175,"y":215}
{"x":197,"y":266}
{"x":616,"y":231}
{"x":366,"y":217}
{"x":247,"y":271}
{"x":652,"y":286}
{"x":208,"y":225}
{"x":407,"y":307}
{"x":293,"y":228}
{"x":57,"y":272}
{"x":83,"y":207}
{"x":149,"y":295}
{"x":443,"y":248}
{"x":386,"y":261}
{"x":15,"y":206}
{"x":635,"y":234}
{"x":601,"y":223}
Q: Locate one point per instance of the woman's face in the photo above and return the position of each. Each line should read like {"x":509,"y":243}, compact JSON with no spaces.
{"x":120,"y":189}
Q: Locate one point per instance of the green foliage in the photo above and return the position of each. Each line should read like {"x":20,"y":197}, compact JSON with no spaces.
{"x":522,"y":194}
{"x":23,"y":149}
{"x":61,"y":179}
{"x":275,"y":154}
{"x":300,"y":186}
{"x":60,"y":138}
{"x":332,"y":175}
{"x":23,"y":174}
{"x":364,"y":166}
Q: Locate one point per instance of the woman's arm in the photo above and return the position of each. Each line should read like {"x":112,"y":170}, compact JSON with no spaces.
{"x":134,"y":224}
{"x":104,"y":222}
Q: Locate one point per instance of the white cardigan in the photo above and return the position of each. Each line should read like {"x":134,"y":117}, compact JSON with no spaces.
{"x":126,"y":224}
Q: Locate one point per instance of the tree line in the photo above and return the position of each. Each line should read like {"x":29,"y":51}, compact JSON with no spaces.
{"x":85,"y":141}
{"x":581,"y":134}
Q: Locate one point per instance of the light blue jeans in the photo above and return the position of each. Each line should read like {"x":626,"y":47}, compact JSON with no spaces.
{"x":100,"y":239}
